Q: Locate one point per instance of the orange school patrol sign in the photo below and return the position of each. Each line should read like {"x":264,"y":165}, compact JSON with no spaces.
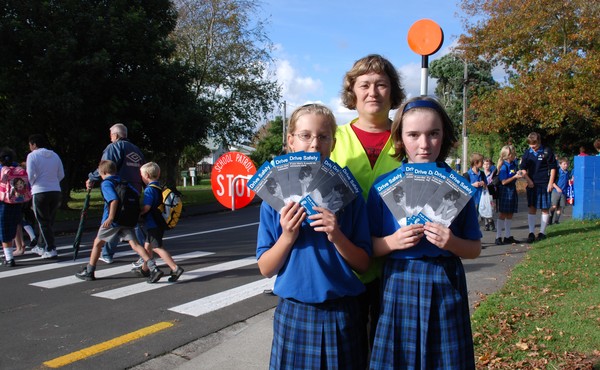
{"x":229,"y":177}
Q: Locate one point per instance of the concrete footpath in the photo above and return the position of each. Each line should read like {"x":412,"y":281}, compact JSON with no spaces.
{"x":246,"y":345}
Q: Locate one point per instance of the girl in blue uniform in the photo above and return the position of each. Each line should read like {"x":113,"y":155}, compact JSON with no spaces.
{"x":424,"y":323}
{"x":316,"y":323}
{"x":508,"y":200}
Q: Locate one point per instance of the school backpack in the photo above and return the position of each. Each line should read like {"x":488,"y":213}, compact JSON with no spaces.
{"x":169,"y":211}
{"x":128,"y":209}
{"x":14,"y":185}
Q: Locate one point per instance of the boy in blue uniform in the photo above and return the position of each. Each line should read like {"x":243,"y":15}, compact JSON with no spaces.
{"x":539,"y":166}
{"x":317,"y":321}
{"x":111,"y":231}
{"x":559,"y":190}
{"x":154,"y":233}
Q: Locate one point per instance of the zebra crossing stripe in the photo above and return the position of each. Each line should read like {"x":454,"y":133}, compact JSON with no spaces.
{"x":224,"y":299}
{"x":191,"y":275}
{"x":68,"y":280}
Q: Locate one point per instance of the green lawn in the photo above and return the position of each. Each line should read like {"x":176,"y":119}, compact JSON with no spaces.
{"x":547,"y":316}
{"x":199,"y":194}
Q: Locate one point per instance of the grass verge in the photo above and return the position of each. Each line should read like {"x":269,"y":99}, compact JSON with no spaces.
{"x":547,"y":315}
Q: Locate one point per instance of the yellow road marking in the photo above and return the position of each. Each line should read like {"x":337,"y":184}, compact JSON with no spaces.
{"x":104,"y":346}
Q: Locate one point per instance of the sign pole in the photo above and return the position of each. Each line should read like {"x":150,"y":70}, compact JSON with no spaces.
{"x":425,"y":38}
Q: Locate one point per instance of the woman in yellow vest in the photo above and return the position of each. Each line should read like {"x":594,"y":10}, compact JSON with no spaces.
{"x":372,"y":87}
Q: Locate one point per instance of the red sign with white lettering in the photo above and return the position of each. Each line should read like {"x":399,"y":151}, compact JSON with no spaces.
{"x":229,"y":177}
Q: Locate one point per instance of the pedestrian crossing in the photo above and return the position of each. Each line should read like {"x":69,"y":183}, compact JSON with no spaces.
{"x":195,"y":307}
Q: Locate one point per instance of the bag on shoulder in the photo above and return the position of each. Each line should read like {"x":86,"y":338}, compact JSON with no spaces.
{"x":493,"y":185}
{"x":169,"y":211}
{"x":128,"y":209}
{"x":14,"y":185}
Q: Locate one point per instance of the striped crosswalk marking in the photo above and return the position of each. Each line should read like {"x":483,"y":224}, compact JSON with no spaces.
{"x":191,"y":275}
{"x":224,"y":299}
{"x":68,"y":280}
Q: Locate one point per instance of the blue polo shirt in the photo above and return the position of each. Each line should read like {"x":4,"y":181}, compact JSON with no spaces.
{"x":152,"y":198}
{"x":538,"y":164}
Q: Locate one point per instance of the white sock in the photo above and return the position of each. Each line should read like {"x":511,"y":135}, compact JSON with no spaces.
{"x":499,"y":226}
{"x":531,"y":222}
{"x":29,"y":230}
{"x":8,"y":253}
{"x":545,"y":219}
{"x":507,"y":224}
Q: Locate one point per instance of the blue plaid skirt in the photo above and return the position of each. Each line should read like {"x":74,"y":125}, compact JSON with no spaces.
{"x":538,"y":197}
{"x":10,"y":218}
{"x":424,"y":322}
{"x":508,"y":199}
{"x":317,"y":336}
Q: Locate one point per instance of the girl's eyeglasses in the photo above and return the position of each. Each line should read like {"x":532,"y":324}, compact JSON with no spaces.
{"x":308,"y":138}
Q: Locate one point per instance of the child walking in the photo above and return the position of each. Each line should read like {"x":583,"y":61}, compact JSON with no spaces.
{"x":154,"y":234}
{"x":317,"y":321}
{"x":477,"y":179}
{"x":425,"y":320}
{"x":490,"y":173}
{"x":111,"y":231}
{"x":508,"y":173}
{"x":559,"y":191}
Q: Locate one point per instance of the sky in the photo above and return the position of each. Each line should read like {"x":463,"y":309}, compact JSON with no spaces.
{"x":317,"y":42}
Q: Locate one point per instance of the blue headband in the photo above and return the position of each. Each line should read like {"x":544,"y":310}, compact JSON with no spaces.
{"x":421,"y":104}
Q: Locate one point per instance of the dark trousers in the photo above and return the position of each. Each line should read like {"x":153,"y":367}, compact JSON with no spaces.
{"x":45,"y":206}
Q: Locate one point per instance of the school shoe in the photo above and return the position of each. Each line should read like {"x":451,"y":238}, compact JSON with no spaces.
{"x":106,"y":259}
{"x":9,"y":263}
{"x":499,"y":241}
{"x":138,"y":263}
{"x":531,"y":238}
{"x":155,"y":275}
{"x":140,"y":272}
{"x":50,"y":254}
{"x":540,"y":237}
{"x":33,"y":243}
{"x":38,"y":250}
{"x":176,"y":274}
{"x":85,"y":275}
{"x":487,"y":227}
{"x":510,"y":240}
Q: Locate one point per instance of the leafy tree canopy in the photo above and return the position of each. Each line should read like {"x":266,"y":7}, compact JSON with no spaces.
{"x":268,"y":141}
{"x":551,"y":53}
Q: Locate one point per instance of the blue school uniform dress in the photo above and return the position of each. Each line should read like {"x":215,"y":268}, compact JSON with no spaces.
{"x":538,"y":164}
{"x":316,"y":323}
{"x":424,"y":320}
{"x":508,"y":199}
{"x":474,"y":177}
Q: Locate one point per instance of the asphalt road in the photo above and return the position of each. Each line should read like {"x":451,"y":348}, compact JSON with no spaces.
{"x":52,"y":319}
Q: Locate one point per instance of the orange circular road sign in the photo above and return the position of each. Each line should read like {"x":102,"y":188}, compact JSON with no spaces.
{"x":229,"y":177}
{"x":425,"y":37}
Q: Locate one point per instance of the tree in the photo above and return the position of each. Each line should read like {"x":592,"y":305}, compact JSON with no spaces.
{"x":268,"y":141}
{"x":230,"y":58}
{"x":70,"y":69}
{"x":551,"y":53}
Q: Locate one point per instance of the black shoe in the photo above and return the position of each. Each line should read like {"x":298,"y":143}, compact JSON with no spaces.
{"x":540,"y":237}
{"x":155,"y":275}
{"x":176,"y":274}
{"x":556,"y":223}
{"x":531,"y":238}
{"x":140,"y":272}
{"x":499,"y":241}
{"x":85,"y":275}
{"x":33,"y":243}
{"x":9,"y":263}
{"x":487,"y":227}
{"x":510,"y":240}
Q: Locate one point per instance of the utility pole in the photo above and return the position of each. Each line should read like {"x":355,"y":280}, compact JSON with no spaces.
{"x":464,"y":117}
{"x":284,"y":125}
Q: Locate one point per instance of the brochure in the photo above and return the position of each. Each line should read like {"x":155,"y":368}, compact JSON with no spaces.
{"x":266,"y":185}
{"x":391,"y":190}
{"x":303,"y":167}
